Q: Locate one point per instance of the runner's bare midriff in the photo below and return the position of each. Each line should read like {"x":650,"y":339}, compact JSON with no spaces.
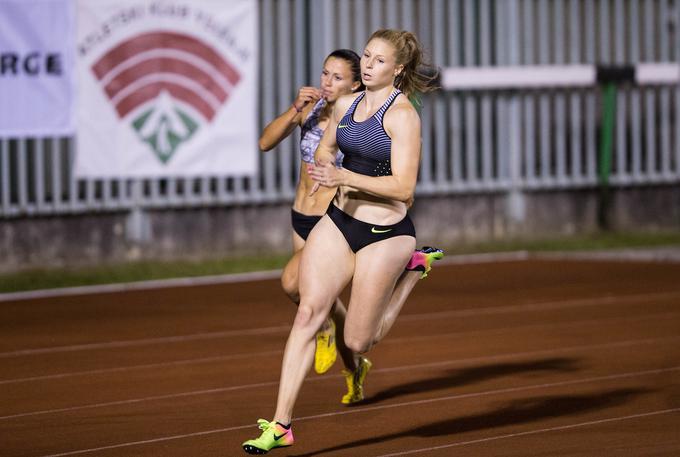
{"x":368,"y":207}
{"x":317,"y":203}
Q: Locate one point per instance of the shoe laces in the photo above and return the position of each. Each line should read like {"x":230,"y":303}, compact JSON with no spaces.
{"x":265,"y":425}
{"x":354,"y":376}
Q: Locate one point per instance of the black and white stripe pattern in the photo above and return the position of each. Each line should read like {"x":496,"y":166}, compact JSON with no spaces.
{"x":366,"y":145}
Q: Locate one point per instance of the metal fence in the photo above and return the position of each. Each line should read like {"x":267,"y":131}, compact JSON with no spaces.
{"x":483,"y":141}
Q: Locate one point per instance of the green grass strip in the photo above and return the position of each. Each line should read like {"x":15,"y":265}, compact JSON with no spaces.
{"x":149,"y":270}
{"x":133,"y":271}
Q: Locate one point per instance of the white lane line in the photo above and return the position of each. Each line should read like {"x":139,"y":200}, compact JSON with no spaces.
{"x":389,"y":341}
{"x":535,"y":432}
{"x":466,"y":361}
{"x":595,"y":301}
{"x":144,"y":399}
{"x":221,"y":358}
{"x":660,"y":255}
{"x":147,"y":341}
{"x":156,"y":440}
{"x":542,"y":306}
{"x":541,"y":352}
{"x":356,"y":410}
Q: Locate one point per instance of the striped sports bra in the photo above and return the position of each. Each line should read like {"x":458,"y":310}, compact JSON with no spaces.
{"x":311,"y":134}
{"x":366,"y":145}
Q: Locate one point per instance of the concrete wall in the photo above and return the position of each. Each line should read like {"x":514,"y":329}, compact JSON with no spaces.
{"x":446,"y":221}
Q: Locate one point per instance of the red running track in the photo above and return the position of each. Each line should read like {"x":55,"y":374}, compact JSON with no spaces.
{"x":515,"y":358}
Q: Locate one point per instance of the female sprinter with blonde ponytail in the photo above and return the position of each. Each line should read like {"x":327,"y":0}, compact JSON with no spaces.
{"x":366,"y":235}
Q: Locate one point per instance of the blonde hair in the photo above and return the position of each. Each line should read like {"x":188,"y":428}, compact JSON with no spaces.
{"x":417,"y":76}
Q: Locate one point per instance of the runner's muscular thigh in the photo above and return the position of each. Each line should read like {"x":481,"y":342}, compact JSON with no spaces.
{"x":326,"y":265}
{"x":378,"y":266}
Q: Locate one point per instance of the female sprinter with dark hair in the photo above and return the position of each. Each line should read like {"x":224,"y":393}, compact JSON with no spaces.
{"x":311,"y":112}
{"x":366,"y":236}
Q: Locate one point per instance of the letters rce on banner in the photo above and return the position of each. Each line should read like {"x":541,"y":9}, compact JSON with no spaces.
{"x":32,"y":64}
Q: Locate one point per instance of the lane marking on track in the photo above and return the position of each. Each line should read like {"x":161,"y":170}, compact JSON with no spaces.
{"x":494,"y":358}
{"x":356,"y":410}
{"x":220,"y":358}
{"x":541,"y":306}
{"x":595,"y":301}
{"x":147,"y":341}
{"x":397,"y":340}
{"x":535,"y":432}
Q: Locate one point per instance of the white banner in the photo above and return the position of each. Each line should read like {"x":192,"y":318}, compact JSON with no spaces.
{"x":167,"y":88}
{"x":37,"y":41}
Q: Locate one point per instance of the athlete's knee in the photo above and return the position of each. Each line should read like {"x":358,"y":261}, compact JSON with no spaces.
{"x":358,"y":345}
{"x":303,"y":317}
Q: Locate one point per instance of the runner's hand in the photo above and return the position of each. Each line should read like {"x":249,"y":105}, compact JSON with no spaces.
{"x":305,"y":96}
{"x":325,"y":174}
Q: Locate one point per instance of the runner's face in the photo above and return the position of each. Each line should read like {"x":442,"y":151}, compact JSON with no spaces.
{"x":336,"y":79}
{"x":378,"y":64}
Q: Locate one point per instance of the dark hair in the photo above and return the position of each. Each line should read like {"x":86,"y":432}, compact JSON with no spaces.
{"x":353,"y":59}
{"x":417,"y":76}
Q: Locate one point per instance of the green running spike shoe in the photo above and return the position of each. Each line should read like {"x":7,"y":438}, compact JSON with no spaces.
{"x":422,"y":259}
{"x":273,"y":435}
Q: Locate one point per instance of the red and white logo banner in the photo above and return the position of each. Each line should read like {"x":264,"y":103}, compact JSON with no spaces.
{"x":167,"y":88}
